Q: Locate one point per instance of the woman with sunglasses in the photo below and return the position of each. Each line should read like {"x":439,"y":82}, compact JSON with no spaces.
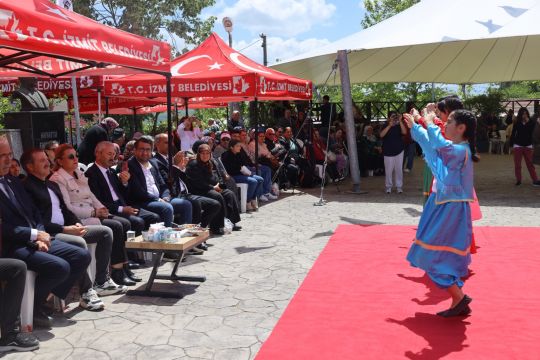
{"x":204,"y":180}
{"x":82,"y":202}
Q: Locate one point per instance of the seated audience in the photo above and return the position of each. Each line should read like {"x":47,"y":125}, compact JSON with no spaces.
{"x":148,"y":190}
{"x":111,"y":189}
{"x":206,"y":211}
{"x":237,"y":166}
{"x":205,"y":180}
{"x":291,"y":157}
{"x":15,"y":169}
{"x":83,"y":203}
{"x":223,"y":145}
{"x":58,"y":265}
{"x":61,"y":223}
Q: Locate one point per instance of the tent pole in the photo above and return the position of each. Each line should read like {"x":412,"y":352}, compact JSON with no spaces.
{"x":349,"y":119}
{"x":169,"y":133}
{"x":135,"y":118}
{"x":76,"y":110}
{"x":106,"y":106}
{"x":99,"y":102}
{"x":256,"y":118}
{"x":186,"y":100}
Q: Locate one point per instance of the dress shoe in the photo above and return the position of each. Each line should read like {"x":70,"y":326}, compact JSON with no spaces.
{"x":120,"y":277}
{"x":217,"y":232}
{"x":130,"y":274}
{"x":236,"y":227}
{"x":133,"y":265}
{"x":42,"y":320}
{"x":202,"y":246}
{"x":195,"y":251}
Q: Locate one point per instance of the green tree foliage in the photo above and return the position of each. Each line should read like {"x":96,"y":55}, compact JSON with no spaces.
{"x":379,"y":10}
{"x":153,"y":18}
{"x":521,"y":90}
{"x":487,"y":104}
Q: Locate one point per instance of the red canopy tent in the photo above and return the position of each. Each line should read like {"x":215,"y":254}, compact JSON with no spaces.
{"x":42,"y":38}
{"x":30,"y":29}
{"x":215,"y":70}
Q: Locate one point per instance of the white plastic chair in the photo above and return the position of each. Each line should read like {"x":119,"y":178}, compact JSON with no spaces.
{"x":243,"y":196}
{"x":27,"y":304}
{"x":83,"y":167}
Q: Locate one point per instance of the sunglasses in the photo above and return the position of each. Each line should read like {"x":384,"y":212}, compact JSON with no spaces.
{"x":72,"y":157}
{"x":204,"y":152}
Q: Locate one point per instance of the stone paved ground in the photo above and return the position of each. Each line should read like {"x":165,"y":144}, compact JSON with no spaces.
{"x":253,"y":274}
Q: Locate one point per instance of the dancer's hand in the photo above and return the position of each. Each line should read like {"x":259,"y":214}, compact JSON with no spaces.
{"x":409,"y":120}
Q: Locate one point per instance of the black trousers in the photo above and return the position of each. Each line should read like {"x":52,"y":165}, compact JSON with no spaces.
{"x":229,"y":207}
{"x":205,"y":210}
{"x":13,"y":272}
{"x":119,"y":227}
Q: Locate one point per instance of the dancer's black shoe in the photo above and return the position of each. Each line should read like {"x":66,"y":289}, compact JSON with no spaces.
{"x":461,"y":309}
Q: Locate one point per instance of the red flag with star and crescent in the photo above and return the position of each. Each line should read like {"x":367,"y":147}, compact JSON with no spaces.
{"x":214,"y":70}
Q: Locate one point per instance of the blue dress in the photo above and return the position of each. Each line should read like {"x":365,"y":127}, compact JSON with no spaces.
{"x":443,"y":239}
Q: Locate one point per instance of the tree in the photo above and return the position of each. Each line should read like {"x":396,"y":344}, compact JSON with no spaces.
{"x":153,"y":18}
{"x":379,"y":10}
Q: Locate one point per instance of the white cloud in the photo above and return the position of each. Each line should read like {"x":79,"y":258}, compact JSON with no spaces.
{"x":361,"y":5}
{"x":279,"y":17}
{"x":279,"y":48}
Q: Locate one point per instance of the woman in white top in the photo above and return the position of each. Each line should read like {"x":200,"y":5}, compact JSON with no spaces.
{"x":83,"y":203}
{"x":189,"y":131}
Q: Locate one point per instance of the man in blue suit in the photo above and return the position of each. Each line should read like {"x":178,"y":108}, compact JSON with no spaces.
{"x":58,"y":265}
{"x":147,"y":188}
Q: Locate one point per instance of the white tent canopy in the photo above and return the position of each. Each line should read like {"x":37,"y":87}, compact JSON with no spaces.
{"x":458,"y":41}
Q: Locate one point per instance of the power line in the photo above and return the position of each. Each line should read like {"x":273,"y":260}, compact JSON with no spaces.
{"x":250,"y":45}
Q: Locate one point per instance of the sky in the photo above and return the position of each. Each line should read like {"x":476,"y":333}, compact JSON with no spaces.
{"x":292,"y":27}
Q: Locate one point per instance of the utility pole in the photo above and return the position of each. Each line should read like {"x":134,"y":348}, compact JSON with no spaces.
{"x":265,"y":55}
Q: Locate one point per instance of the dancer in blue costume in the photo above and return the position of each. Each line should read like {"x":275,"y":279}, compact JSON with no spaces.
{"x":443,"y":238}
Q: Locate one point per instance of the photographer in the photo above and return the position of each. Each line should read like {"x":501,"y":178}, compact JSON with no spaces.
{"x":392,"y":137}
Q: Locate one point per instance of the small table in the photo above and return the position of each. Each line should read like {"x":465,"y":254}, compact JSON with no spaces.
{"x":158,"y":249}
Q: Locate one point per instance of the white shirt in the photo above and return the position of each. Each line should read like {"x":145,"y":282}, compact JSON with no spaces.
{"x":111,"y":189}
{"x":187,"y":137}
{"x":150,"y":181}
{"x":56,"y":215}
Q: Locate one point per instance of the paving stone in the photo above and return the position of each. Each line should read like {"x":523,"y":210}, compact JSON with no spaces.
{"x":84,"y":337}
{"x":188,"y":339}
{"x":116,"y":323}
{"x":176,"y":322}
{"x":85,"y":353}
{"x":232,"y":354}
{"x":157,"y":336}
{"x":160,"y":352}
{"x":113,"y":341}
{"x":200,"y":352}
{"x":204,"y":323}
{"x":126,"y":351}
{"x":52,"y":355}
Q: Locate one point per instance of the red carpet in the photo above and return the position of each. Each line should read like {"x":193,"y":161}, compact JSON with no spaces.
{"x":362,"y":300}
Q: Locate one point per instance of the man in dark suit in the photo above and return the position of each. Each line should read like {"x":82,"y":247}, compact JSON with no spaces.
{"x":147,"y":188}
{"x":110,"y":189}
{"x":57,"y":264}
{"x":95,"y":135}
{"x":65,"y":226}
{"x":204,"y":209}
